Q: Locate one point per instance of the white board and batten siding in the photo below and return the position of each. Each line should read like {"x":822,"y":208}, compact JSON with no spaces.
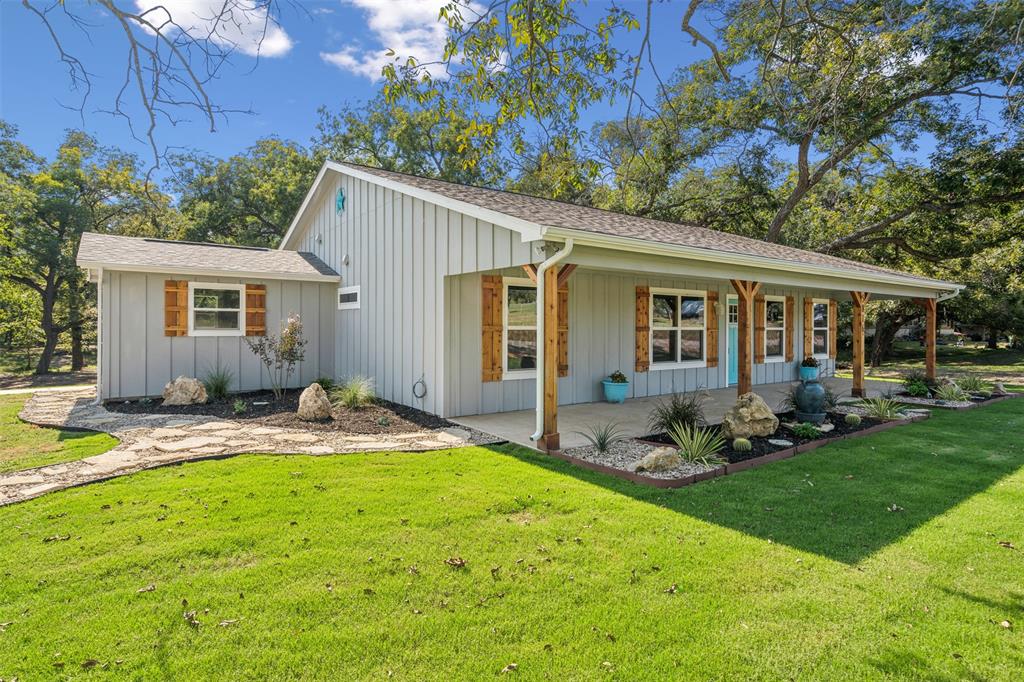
{"x":138,"y":360}
{"x":399,"y":250}
{"x":601,"y":340}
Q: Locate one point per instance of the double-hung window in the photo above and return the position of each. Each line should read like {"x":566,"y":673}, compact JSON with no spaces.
{"x":677,"y":327}
{"x":216,"y":309}
{"x":774,"y":328}
{"x":820,"y":329}
{"x":520,"y":347}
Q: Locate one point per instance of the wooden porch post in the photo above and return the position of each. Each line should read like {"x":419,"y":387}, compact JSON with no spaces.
{"x":860,"y":298}
{"x":745,"y":292}
{"x":552,"y":440}
{"x":930,"y":306}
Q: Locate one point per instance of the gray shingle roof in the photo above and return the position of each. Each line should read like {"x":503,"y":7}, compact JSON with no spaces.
{"x":161,"y":255}
{"x":559,"y":214}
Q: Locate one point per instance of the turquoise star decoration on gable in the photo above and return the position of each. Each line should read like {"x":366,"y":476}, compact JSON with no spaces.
{"x":339,"y":201}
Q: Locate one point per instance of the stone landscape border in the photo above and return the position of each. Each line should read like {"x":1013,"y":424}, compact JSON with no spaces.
{"x":931,"y":402}
{"x":728,"y":469}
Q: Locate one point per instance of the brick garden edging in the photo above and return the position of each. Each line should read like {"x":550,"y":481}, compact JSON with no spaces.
{"x":729,"y":469}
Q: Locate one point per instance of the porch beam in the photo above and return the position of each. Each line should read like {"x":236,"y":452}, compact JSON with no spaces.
{"x":552,"y":441}
{"x":930,"y":306}
{"x":565,"y":273}
{"x":860,"y":299}
{"x":531,"y":272}
{"x":745,"y":293}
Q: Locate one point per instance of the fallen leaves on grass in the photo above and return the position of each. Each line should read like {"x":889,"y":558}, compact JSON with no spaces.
{"x":672,"y":589}
{"x":190,"y":618}
{"x":228,"y":622}
{"x":148,"y":588}
{"x":89,"y":663}
{"x":4,"y":626}
{"x":57,"y":538}
{"x":895,"y":508}
{"x":511,"y":667}
{"x":1006,"y":544}
{"x":456,"y":562}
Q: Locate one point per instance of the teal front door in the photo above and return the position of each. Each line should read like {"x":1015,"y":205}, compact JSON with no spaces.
{"x":732,"y":343}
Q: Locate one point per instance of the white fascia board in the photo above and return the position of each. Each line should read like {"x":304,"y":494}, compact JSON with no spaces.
{"x":529,"y":231}
{"x":207,"y":272}
{"x":672,"y":250}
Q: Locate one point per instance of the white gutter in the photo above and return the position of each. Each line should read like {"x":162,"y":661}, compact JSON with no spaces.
{"x":99,"y":335}
{"x":169,"y":269}
{"x":945,"y":297}
{"x":541,"y":359}
{"x":732,"y":258}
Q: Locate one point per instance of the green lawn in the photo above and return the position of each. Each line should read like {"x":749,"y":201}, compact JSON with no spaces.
{"x":334,"y":567}
{"x":24,"y":446}
{"x":993,"y":364}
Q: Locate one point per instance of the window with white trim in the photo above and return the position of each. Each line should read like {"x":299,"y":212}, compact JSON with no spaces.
{"x":520,"y":325}
{"x":677,"y":327}
{"x":819,"y":330}
{"x":774,"y":328}
{"x":216,"y":309}
{"x":348,"y":298}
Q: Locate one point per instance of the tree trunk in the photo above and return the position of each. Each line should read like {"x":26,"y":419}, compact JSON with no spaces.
{"x":50,"y":333}
{"x":993,"y":337}
{"x":887,"y":325}
{"x":77,"y":356}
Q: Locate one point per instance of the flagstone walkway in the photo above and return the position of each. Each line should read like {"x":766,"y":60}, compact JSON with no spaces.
{"x":152,"y":440}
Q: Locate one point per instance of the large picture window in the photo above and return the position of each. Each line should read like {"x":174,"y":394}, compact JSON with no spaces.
{"x":216,"y":309}
{"x":774,"y":328}
{"x":820,"y":329}
{"x":520,"y":327}
{"x":677,"y":327}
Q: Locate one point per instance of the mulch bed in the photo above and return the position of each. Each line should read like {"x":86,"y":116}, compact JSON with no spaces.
{"x":762,"y":447}
{"x":383,"y":417}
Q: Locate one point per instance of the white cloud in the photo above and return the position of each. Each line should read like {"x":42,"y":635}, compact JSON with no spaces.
{"x":409,"y":28}
{"x":239,"y":25}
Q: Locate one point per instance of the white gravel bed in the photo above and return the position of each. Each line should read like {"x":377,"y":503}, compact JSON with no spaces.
{"x":625,"y":455}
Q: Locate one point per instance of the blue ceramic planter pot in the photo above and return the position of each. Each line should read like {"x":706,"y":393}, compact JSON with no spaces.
{"x":808,"y":373}
{"x":615,"y":392}
{"x":810,"y":401}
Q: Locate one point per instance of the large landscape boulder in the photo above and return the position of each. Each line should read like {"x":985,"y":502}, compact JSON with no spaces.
{"x":660,"y":459}
{"x":750,"y":416}
{"x":184,"y":391}
{"x":999,"y":389}
{"x":314,"y":405}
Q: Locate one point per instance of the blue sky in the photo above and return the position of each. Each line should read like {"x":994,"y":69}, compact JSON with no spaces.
{"x":326,"y":55}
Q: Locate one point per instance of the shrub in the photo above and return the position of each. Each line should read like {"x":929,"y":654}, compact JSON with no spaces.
{"x":917,"y":376}
{"x":951,"y":393}
{"x":617,"y":377}
{"x":852,"y":419}
{"x":279,"y":354}
{"x":831,"y":397}
{"x":603,"y":436}
{"x":218,"y":382}
{"x":326,"y":383}
{"x":742,"y":445}
{"x":788,"y":401}
{"x":239,"y":407}
{"x":685,"y":409}
{"x":917,"y":389}
{"x":697,"y":445}
{"x":885,"y":409}
{"x":354,"y":393}
{"x":972,"y":383}
{"x":805,"y":430}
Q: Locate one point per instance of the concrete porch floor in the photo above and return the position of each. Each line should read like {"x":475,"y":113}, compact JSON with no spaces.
{"x":631,"y":416}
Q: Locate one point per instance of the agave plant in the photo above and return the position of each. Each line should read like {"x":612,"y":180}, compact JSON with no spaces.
{"x":885,"y":409}
{"x":972,"y":383}
{"x":697,"y":445}
{"x":603,"y":436}
{"x":951,"y":393}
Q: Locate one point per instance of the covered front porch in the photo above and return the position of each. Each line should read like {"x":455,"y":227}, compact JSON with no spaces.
{"x":632,"y":415}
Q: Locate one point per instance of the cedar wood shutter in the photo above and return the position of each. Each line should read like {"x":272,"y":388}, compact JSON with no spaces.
{"x":808,"y":327}
{"x":759,"y":329}
{"x":711,"y":318}
{"x":255,"y":309}
{"x":175,"y":307}
{"x":833,"y":327}
{"x":563,"y":330}
{"x":790,"y":305}
{"x":643,"y":329}
{"x":493,"y":319}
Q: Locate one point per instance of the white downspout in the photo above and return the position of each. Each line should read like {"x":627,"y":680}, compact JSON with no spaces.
{"x":946,"y":297}
{"x":541,"y":269}
{"x":99,"y":333}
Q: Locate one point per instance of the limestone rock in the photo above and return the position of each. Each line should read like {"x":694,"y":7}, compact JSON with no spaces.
{"x":750,"y":416}
{"x":999,"y":389}
{"x":313,"y":404}
{"x":661,"y":459}
{"x":184,"y":391}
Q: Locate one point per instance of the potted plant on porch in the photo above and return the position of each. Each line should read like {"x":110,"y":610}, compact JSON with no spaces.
{"x":616,"y":387}
{"x":809,"y":369}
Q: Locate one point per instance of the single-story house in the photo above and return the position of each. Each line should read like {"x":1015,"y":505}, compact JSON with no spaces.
{"x":461,"y":300}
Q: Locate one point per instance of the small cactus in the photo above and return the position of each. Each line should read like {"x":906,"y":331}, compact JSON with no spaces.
{"x":852,"y":419}
{"x":742,"y":445}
